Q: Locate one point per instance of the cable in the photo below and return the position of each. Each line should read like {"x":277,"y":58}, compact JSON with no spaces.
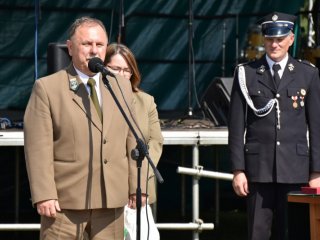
{"x":111,"y":23}
{"x":36,"y":19}
{"x":145,"y":142}
{"x":192,"y":71}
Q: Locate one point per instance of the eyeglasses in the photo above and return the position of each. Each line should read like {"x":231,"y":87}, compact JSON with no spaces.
{"x":116,"y":70}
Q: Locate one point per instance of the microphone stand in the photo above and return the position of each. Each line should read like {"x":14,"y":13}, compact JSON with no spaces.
{"x":138,"y":154}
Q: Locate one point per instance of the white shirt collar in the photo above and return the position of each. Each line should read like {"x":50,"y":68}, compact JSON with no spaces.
{"x":84,"y":78}
{"x":282,"y":63}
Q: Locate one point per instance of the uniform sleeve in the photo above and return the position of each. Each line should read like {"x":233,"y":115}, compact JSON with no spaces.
{"x":151,"y":131}
{"x":313,"y":118}
{"x":236,"y":126}
{"x":155,"y":142}
{"x":38,"y":137}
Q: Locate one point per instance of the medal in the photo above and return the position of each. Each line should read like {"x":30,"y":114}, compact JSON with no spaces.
{"x":294,"y":104}
{"x":302,"y":102}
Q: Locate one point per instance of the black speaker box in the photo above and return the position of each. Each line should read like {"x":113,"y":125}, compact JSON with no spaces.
{"x":57,"y":57}
{"x":216,"y":100}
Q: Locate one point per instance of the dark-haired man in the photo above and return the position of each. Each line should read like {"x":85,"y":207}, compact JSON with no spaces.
{"x":77,"y":145}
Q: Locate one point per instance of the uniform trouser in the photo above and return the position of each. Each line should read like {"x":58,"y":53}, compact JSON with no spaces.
{"x":95,"y":224}
{"x":268,"y":212}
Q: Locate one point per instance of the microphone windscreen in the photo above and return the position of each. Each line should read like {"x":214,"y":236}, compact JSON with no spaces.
{"x":94,"y":64}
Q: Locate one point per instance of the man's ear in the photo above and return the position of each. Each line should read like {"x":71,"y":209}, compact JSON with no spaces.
{"x":69,"y":45}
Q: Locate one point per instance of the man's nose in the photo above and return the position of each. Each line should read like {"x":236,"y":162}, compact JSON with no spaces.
{"x":94,"y":48}
{"x":274,"y":42}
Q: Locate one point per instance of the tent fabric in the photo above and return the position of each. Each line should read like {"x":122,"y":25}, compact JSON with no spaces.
{"x":157,"y":32}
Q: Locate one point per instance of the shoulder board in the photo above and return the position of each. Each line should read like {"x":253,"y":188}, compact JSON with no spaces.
{"x":244,"y":63}
{"x":306,"y":62}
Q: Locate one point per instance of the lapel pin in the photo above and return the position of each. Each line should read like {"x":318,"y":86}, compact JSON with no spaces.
{"x":73,"y":84}
{"x":262,"y":68}
{"x":291,"y":67}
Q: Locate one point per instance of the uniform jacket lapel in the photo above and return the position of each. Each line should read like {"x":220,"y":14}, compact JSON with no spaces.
{"x":264,"y":74}
{"x":107,"y":106}
{"x":288,"y":74}
{"x":80,"y":96}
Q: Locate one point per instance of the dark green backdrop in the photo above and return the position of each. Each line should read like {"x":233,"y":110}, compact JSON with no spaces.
{"x":156,"y":30}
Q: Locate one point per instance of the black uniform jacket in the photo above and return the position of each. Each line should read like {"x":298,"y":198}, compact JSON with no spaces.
{"x":257,"y":146}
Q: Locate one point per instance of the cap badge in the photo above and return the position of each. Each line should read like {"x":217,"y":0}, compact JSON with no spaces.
{"x":275,"y":17}
{"x":291,"y":67}
{"x":73,"y":84}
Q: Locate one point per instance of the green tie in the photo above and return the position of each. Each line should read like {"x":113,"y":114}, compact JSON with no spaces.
{"x":94,"y":96}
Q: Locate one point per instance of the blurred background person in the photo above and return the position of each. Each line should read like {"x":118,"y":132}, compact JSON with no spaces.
{"x":120,"y":60}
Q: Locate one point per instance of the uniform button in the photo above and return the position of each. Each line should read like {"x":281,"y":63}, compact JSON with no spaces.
{"x":278,"y":143}
{"x":105,"y":161}
{"x":278,"y":95}
{"x":104,"y":141}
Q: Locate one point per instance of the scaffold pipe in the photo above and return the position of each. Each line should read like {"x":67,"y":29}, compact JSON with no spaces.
{"x":185,"y":226}
{"x":203,"y":173}
{"x":19,"y":227}
{"x":168,"y":226}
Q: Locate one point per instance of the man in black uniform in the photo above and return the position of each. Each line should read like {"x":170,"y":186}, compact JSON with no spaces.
{"x":272,"y":110}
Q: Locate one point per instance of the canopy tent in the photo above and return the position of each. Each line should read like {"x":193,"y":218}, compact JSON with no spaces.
{"x":160,"y":33}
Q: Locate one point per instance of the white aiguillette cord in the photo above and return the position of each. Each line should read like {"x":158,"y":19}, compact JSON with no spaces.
{"x":262,"y":111}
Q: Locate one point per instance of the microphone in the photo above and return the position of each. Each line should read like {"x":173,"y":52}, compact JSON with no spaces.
{"x":96,"y":65}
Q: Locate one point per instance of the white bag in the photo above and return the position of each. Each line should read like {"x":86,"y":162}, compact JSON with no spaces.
{"x":130,"y":224}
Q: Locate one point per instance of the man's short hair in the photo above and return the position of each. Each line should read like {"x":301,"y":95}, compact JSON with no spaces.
{"x":85,"y":20}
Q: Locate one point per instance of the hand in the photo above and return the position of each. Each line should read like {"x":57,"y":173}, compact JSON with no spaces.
{"x":240,"y":183}
{"x":314,"y":180}
{"x":132,"y":203}
{"x":48,"y":208}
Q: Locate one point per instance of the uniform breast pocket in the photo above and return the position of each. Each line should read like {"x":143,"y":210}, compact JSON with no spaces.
{"x":259,"y":97}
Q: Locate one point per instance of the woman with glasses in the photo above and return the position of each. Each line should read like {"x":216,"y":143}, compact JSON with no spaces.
{"x":120,"y":60}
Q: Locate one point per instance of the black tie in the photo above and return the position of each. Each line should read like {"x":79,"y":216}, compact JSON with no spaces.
{"x":276,"y":77}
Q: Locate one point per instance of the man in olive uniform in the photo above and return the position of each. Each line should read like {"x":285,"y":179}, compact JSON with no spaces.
{"x":274,"y":129}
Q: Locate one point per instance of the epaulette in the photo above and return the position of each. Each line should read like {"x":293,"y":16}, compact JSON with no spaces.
{"x":306,"y":62}
{"x":244,"y":63}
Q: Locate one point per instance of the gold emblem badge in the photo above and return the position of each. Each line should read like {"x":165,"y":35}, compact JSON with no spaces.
{"x":303,"y":92}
